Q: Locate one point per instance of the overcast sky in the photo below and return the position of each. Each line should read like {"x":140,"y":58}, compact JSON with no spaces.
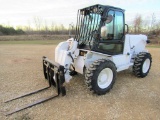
{"x":23,"y":12}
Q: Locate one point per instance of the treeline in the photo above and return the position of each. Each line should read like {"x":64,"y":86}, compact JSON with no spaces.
{"x":149,"y":26}
{"x":49,"y":30}
{"x":10,"y":31}
{"x":42,"y":26}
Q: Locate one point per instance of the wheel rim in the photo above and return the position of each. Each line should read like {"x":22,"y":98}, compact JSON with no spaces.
{"x":146,"y":65}
{"x":105,"y":78}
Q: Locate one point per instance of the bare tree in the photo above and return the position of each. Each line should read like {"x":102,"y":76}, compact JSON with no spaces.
{"x":137,"y":22}
{"x":153,"y":21}
{"x":46,"y":27}
{"x":52,"y":27}
{"x":29,"y":26}
{"x":38,"y":23}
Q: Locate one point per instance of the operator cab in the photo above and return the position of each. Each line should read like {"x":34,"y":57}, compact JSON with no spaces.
{"x":101,"y":28}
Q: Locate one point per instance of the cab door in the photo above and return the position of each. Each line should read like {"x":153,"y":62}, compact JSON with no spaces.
{"x":112,"y":34}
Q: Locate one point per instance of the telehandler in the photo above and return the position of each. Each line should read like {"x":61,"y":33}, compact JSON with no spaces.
{"x":101,"y":48}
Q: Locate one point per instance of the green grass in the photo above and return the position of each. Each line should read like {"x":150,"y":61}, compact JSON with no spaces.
{"x":49,"y":42}
{"x":38,"y":42}
{"x":153,"y":46}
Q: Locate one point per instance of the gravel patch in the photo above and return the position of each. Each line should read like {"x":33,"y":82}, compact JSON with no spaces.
{"x":21,"y":72}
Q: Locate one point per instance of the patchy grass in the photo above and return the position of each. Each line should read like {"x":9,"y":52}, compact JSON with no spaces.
{"x":38,"y":42}
{"x":32,"y":37}
{"x":153,"y":46}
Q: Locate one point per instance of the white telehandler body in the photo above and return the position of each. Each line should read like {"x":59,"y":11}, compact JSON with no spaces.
{"x":101,"y":48}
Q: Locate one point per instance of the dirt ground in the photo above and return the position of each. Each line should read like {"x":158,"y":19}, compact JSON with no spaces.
{"x":21,"y":72}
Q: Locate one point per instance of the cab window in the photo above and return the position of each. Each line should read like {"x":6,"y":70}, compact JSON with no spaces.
{"x":107,"y":28}
{"x":111,"y":33}
{"x":118,"y":25}
{"x":114,"y":29}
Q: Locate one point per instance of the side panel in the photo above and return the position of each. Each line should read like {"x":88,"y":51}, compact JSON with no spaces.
{"x":92,"y":56}
{"x":134,"y":43}
{"x":120,"y":60}
{"x":138,"y":42}
{"x":79,"y":64}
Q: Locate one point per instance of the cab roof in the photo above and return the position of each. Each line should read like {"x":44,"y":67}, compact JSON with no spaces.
{"x":102,"y":6}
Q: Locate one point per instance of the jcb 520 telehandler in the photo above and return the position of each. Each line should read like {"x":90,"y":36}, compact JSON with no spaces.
{"x":101,"y":48}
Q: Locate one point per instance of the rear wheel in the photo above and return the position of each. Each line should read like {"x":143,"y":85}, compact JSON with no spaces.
{"x":101,"y":76}
{"x":142,"y":64}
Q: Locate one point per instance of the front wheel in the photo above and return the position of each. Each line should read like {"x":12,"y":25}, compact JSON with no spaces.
{"x":101,"y":76}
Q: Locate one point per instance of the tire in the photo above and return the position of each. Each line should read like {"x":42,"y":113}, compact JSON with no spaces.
{"x":100,"y":76}
{"x":142,"y":64}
